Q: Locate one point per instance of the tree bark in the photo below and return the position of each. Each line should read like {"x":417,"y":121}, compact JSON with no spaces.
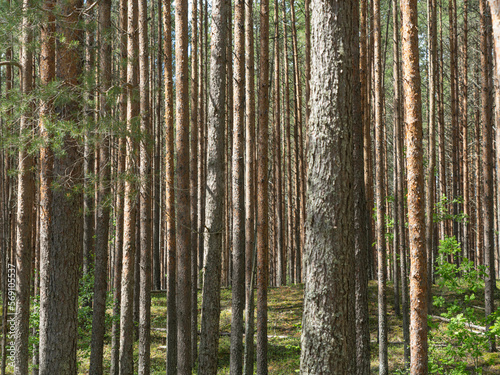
{"x":379,"y":194}
{"x":25,"y":201}
{"x":210,"y":312}
{"x":328,"y":335}
{"x":416,"y":214}
{"x":60,"y":260}
{"x":145,"y":195}
{"x":118,"y":256}
{"x":129,"y":215}
{"x":487,"y":196}
{"x":103,"y":208}
{"x":238,"y":209}
{"x":183,"y":222}
{"x":248,"y":363}
{"x":194,"y":182}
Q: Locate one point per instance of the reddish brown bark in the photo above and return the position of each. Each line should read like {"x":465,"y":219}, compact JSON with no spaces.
{"x":416,"y":214}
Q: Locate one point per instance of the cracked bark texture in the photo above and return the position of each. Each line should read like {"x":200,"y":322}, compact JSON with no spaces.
{"x":415,"y":179}
{"x":328,"y":327}
{"x":215,"y":180}
{"x":60,"y":260}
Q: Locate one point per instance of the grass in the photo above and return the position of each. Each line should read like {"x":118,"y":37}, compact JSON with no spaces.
{"x":284,"y":327}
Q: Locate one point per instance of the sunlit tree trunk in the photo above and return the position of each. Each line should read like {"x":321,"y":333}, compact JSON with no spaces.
{"x":416,"y":214}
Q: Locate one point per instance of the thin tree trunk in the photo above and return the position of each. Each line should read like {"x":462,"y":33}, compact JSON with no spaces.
{"x":429,"y":198}
{"x":465,"y":137}
{"x":361,"y":244}
{"x":118,"y":256}
{"x":170,"y":195}
{"x":47,"y":75}
{"x":145,"y":195}
{"x":262,"y":191}
{"x":183,"y":222}
{"x":194,"y":182}
{"x":248,"y":363}
{"x":280,"y":232}
{"x":416,"y":214}
{"x":102,"y":223}
{"x":379,"y":189}
{"x":291,"y":247}
{"x":238,"y":209}
{"x":129,"y":215}
{"x":25,"y":201}
{"x":487,"y":196}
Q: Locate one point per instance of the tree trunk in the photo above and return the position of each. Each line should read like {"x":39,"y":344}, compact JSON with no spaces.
{"x":210,"y":312}
{"x":379,"y":194}
{"x":118,"y":256}
{"x":129,"y":215}
{"x":60,"y":260}
{"x":465,"y":137}
{"x":102,"y":223}
{"x":328,"y":335}
{"x":194,"y":183}
{"x":361,"y":244}
{"x":238,"y":209}
{"x":429,"y":198}
{"x":25,"y":201}
{"x":170,"y":194}
{"x":249,"y":189}
{"x":416,"y":214}
{"x":183,"y":222}
{"x":487,"y":196}
{"x":145,"y":195}
{"x":262,"y":190}
{"x":47,"y":75}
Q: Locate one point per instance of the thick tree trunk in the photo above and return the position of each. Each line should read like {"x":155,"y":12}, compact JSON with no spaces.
{"x":60,"y":261}
{"x":210,"y":312}
{"x":328,"y":335}
{"x":416,"y":214}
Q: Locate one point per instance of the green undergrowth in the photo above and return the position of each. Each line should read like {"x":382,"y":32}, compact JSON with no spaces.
{"x":284,"y":328}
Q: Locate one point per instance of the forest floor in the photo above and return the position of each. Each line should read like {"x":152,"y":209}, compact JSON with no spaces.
{"x":284,"y":329}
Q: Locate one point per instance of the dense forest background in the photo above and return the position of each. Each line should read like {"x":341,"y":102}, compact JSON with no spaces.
{"x":164,"y":166}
